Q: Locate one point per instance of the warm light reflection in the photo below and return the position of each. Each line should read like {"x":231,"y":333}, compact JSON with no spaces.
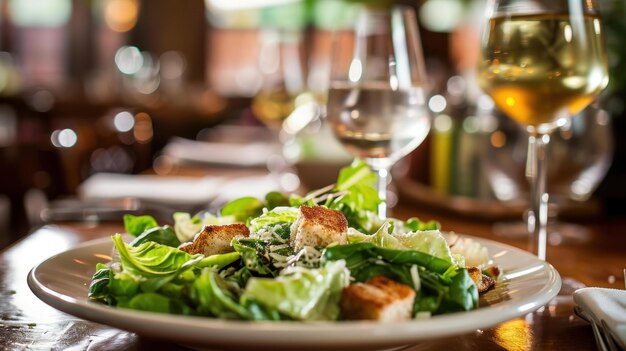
{"x":500,"y":254}
{"x":143,"y":128}
{"x":498,"y":139}
{"x":514,"y":335}
{"x":121,"y":15}
{"x":510,"y":101}
{"x":103,"y":257}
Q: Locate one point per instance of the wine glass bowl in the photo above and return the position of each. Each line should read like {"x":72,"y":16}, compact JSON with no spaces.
{"x":376,"y":100}
{"x":542,"y":62}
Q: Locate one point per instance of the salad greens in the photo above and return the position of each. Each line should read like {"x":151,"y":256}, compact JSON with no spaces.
{"x":135,"y":225}
{"x":264,"y":278}
{"x":304,"y":294}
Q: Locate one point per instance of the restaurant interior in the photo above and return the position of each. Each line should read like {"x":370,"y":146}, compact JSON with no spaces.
{"x":123,"y":87}
{"x":114,"y":107}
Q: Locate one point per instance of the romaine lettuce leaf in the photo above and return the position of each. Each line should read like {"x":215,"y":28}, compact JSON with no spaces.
{"x":442,"y":286}
{"x":151,"y":259}
{"x":98,"y":288}
{"x":246,"y":208}
{"x":154,"y":302}
{"x":280,"y":214}
{"x":215,"y":297}
{"x":162,"y":235}
{"x":135,"y":225}
{"x":387,"y":236}
{"x":251,"y":255}
{"x":359,"y":200}
{"x":307,"y":294}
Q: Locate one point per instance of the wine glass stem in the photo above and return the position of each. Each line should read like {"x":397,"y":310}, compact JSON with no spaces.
{"x":537,"y":176}
{"x":382,"y":179}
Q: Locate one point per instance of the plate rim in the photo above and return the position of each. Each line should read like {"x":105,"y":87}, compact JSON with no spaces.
{"x":213,"y":331}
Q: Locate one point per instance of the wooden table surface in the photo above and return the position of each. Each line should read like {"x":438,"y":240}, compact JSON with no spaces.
{"x":27,"y":323}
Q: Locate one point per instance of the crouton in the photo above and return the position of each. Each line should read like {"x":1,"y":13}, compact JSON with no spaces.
{"x":215,"y":239}
{"x":483,"y":282}
{"x":318,"y":226}
{"x":379,"y":299}
{"x":492,"y":271}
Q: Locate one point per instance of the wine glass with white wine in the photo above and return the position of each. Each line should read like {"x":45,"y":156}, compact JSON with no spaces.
{"x":376,"y":101}
{"x":542,"y":62}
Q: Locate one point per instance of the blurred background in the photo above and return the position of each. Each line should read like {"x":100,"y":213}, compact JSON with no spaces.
{"x":94,"y":93}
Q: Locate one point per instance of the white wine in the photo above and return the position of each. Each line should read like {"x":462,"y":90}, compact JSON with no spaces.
{"x":375,"y":122}
{"x":539,"y":68}
{"x":273,"y":106}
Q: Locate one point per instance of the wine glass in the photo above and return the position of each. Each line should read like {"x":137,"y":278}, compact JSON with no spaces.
{"x":542,"y":61}
{"x":580,"y":155}
{"x":281,"y":94}
{"x":376,"y":100}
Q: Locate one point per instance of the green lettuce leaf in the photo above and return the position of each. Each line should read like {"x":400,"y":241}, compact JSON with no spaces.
{"x":135,"y":225}
{"x":243,"y":208}
{"x":215,"y":297}
{"x":307,"y":294}
{"x":124,"y":284}
{"x":259,"y":312}
{"x":154,"y":302}
{"x":414,"y":224}
{"x":356,"y":254}
{"x":218,"y":261}
{"x":251,"y":251}
{"x":430,"y":242}
{"x":151,"y":259}
{"x":162,"y":235}
{"x":98,"y":288}
{"x":276,"y":215}
{"x":247,"y":208}
{"x":441,"y":287}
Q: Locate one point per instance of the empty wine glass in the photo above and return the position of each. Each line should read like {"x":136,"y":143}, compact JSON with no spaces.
{"x":542,"y":62}
{"x":376,"y":101}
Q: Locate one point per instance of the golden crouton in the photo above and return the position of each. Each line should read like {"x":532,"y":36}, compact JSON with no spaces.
{"x":379,"y":299}
{"x":318,"y":226}
{"x":483,"y":282}
{"x":492,"y":271}
{"x":215,"y":239}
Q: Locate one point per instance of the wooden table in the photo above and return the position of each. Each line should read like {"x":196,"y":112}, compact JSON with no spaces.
{"x":28,"y":323}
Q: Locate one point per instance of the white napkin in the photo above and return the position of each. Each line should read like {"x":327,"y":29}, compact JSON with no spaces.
{"x":608,"y":305}
{"x":170,"y":190}
{"x":252,"y":154}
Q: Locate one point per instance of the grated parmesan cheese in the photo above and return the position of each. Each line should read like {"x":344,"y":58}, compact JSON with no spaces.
{"x":415,"y":277}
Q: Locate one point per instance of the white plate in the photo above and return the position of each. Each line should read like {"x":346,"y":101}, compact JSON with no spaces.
{"x":62,"y":282}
